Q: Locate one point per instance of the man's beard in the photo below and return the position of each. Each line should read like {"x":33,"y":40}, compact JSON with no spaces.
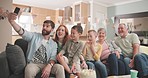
{"x":121,"y":34}
{"x":44,"y":32}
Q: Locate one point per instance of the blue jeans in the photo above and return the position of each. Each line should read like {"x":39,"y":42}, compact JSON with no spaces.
{"x":127,"y":62}
{"x":112,"y":64}
{"x":121,"y":65}
{"x":90,"y":64}
{"x":100,"y":68}
{"x":141,"y":64}
{"x":67,"y":75}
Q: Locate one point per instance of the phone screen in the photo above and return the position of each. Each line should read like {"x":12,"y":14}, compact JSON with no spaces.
{"x":17,"y":9}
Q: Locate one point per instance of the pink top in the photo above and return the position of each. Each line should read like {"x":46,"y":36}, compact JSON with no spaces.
{"x":105,"y":51}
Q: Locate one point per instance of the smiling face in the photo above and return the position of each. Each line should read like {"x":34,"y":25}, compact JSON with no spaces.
{"x":122,"y":30}
{"x":91,"y":36}
{"x":101,"y":34}
{"x":75,"y":35}
{"x":61,"y":32}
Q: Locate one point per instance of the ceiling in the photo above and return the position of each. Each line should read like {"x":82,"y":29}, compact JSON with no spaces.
{"x":60,"y":4}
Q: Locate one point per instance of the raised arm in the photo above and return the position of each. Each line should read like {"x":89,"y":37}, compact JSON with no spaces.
{"x":17,"y":28}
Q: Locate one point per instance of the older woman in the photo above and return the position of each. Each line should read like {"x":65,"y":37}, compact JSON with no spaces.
{"x":110,"y":53}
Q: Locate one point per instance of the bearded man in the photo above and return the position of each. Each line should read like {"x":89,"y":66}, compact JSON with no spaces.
{"x":42,"y":50}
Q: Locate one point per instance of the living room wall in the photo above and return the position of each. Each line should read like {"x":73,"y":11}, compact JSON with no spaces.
{"x":135,"y":7}
{"x":5,"y":28}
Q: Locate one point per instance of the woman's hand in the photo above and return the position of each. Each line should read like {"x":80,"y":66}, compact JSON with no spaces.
{"x":59,"y":56}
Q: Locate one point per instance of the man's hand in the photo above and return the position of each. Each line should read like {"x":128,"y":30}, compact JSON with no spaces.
{"x":131,"y":65}
{"x":12,"y":17}
{"x":117,"y":54}
{"x":46,"y":71}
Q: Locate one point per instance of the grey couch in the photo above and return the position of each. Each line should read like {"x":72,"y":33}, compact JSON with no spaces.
{"x":5,"y":71}
{"x":5,"y":67}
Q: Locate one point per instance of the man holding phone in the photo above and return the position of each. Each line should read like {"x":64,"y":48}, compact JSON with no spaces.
{"x":42,"y":50}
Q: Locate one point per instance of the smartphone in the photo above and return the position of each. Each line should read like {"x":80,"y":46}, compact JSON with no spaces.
{"x":17,"y":9}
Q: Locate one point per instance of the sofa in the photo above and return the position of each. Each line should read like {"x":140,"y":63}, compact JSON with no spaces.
{"x":13,"y":60}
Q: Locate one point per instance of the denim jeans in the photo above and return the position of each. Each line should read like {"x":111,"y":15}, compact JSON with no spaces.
{"x":112,"y":64}
{"x":67,"y":75}
{"x":127,"y":62}
{"x":100,"y":68}
{"x":121,"y":65}
{"x":141,"y":64}
{"x":90,"y":64}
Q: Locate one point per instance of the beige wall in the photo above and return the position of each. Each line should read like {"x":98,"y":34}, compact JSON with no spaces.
{"x":5,"y":28}
{"x":144,"y":24}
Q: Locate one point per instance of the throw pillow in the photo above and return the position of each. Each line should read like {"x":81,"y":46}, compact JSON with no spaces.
{"x":23,"y":44}
{"x":16,"y":59}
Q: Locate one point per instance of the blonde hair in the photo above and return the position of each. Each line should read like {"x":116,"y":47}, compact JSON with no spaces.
{"x":93,"y":32}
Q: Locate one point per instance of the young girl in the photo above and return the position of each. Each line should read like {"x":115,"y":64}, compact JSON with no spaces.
{"x":92,"y":52}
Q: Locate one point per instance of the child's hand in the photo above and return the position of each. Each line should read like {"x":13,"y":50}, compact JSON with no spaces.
{"x":73,"y":68}
{"x":92,"y":48}
{"x":84,"y":65}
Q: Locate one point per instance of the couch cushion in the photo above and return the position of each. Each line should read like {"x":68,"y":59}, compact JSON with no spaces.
{"x":23,"y":44}
{"x":4,"y":69}
{"x":16,"y":59}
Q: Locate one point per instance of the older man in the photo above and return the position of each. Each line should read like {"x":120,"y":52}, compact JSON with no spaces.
{"x":129,"y":44}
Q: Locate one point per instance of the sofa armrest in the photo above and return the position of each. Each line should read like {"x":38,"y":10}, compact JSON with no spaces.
{"x":4,"y":69}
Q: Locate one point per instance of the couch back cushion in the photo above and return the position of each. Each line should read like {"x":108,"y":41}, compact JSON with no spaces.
{"x":23,"y":44}
{"x":15,"y":58}
{"x":4,"y":69}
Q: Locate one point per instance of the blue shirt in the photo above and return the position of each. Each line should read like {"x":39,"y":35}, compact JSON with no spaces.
{"x":34,"y":42}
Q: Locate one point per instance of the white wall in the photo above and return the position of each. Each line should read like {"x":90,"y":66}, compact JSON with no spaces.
{"x":136,"y":7}
{"x":97,"y":11}
{"x":5,"y":28}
